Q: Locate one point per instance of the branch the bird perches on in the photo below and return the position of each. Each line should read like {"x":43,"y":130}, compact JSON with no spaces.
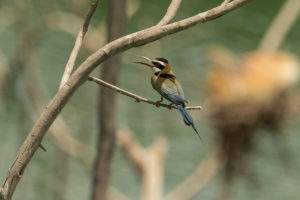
{"x":136,"y":97}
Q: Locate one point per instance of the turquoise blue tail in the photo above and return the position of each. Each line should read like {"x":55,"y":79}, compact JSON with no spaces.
{"x":187,"y":118}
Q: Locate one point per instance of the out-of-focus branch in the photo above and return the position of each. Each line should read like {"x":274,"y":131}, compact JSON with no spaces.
{"x":149,"y":163}
{"x":205,"y":171}
{"x":62,"y":97}
{"x":71,"y":62}
{"x":136,"y":97}
{"x":280,"y":26}
{"x":150,"y":166}
{"x":171,"y":12}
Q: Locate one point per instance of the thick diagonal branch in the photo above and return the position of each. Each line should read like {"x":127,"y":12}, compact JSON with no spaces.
{"x":51,"y":111}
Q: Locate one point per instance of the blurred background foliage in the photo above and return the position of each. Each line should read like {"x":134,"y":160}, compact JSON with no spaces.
{"x":36,"y":38}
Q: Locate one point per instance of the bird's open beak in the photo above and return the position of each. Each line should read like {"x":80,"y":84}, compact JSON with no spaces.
{"x":147,"y":64}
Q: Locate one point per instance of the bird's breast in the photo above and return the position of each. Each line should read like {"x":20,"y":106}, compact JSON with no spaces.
{"x":154,"y":81}
{"x":157,"y":83}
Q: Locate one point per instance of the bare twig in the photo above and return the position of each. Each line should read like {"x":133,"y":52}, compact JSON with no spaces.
{"x":280,"y":26}
{"x":171,"y":12}
{"x":50,"y":113}
{"x":79,"y":39}
{"x":136,"y":97}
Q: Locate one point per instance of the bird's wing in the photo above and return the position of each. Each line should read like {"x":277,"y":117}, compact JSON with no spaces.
{"x":173,"y":90}
{"x":179,"y":88}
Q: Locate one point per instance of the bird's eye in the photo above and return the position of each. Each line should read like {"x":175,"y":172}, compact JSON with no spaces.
{"x":158,"y":65}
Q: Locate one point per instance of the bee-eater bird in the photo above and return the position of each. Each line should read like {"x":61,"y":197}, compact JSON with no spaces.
{"x":164,"y":82}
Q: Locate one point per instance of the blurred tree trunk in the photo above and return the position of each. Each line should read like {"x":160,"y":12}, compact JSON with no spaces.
{"x":107,"y":106}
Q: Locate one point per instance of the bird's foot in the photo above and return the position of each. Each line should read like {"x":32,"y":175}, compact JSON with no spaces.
{"x":170,"y":106}
{"x":159,"y":102}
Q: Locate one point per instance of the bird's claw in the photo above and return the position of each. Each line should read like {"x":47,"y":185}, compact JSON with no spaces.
{"x":157,"y":104}
{"x":170,"y":106}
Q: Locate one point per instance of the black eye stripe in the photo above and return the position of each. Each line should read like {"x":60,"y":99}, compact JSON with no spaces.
{"x":158,"y":65}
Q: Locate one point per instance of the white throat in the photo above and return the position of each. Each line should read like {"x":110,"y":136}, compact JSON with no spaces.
{"x":155,"y":69}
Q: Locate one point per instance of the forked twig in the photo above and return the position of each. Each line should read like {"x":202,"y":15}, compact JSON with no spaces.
{"x":78,"y":43}
{"x":171,"y":12}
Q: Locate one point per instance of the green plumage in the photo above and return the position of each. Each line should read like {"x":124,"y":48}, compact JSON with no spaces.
{"x":167,"y":86}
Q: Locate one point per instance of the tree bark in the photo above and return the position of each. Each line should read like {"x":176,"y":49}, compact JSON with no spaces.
{"x":107,"y":106}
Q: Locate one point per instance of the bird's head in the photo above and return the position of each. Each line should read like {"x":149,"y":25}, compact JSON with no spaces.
{"x":158,"y":65}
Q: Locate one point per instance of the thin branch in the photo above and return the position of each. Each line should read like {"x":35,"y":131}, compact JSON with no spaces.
{"x":136,"y":97}
{"x":280,"y":26}
{"x":50,"y":113}
{"x":79,"y":39}
{"x":171,"y":12}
